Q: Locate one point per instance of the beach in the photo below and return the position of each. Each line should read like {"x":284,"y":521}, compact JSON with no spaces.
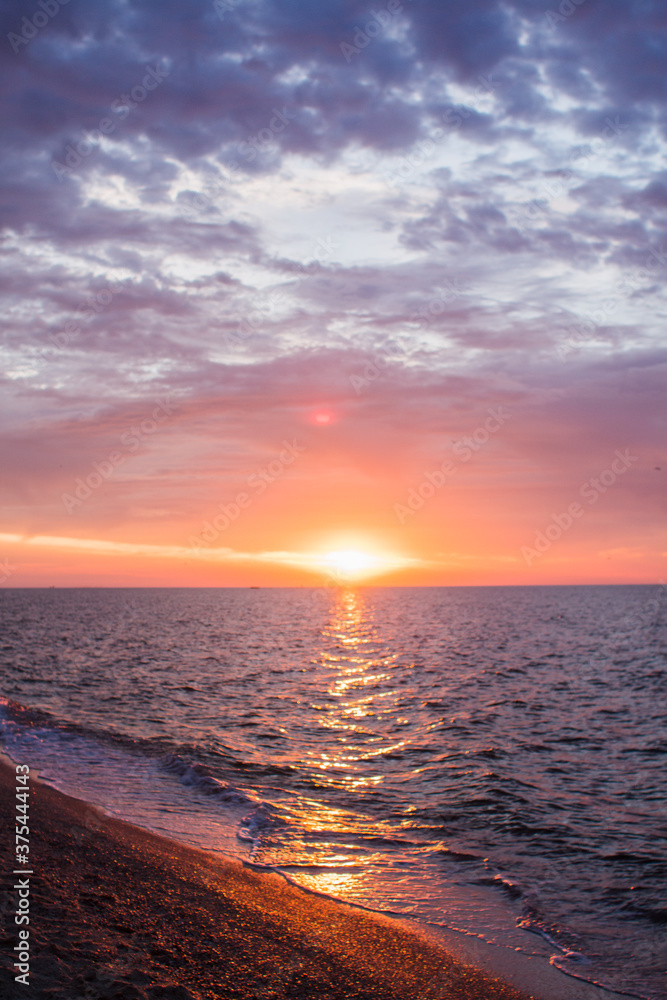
{"x":118,"y":912}
{"x":333,"y":585}
{"x":353,"y":790}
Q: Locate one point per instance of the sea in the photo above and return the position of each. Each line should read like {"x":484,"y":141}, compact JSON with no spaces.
{"x":491,"y":760}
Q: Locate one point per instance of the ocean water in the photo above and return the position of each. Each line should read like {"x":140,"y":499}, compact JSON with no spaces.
{"x":492,"y":760}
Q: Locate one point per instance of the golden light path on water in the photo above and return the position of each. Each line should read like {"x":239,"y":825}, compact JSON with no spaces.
{"x":360,"y":696}
{"x":364,"y":859}
{"x":444,"y":754}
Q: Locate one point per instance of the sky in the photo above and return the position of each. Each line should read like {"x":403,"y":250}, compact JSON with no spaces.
{"x":310,"y":292}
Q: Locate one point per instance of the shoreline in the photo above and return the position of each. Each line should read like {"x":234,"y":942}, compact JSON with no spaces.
{"x":119,"y":912}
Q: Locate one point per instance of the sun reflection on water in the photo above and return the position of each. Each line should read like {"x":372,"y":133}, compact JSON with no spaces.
{"x":359,"y":696}
{"x":341,"y":884}
{"x":356,"y":710}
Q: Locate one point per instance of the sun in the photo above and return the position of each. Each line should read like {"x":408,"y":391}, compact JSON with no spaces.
{"x":352,"y":564}
{"x":349,"y":557}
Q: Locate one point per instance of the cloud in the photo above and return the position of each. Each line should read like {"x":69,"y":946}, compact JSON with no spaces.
{"x":467,"y":211}
{"x":335,"y":566}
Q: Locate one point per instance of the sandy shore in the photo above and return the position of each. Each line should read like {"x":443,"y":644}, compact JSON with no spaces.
{"x":117,"y":913}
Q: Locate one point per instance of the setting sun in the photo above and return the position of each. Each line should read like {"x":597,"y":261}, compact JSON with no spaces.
{"x":353,"y":563}
{"x":332,"y":531}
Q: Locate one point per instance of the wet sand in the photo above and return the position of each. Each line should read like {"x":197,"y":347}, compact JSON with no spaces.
{"x":117,"y":913}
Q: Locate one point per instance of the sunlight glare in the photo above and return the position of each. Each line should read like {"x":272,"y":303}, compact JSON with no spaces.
{"x":353,"y":564}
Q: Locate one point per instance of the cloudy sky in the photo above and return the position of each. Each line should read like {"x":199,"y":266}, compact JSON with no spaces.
{"x":285,"y":278}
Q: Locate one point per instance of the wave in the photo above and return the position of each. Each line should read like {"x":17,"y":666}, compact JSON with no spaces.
{"x":199,"y":776}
